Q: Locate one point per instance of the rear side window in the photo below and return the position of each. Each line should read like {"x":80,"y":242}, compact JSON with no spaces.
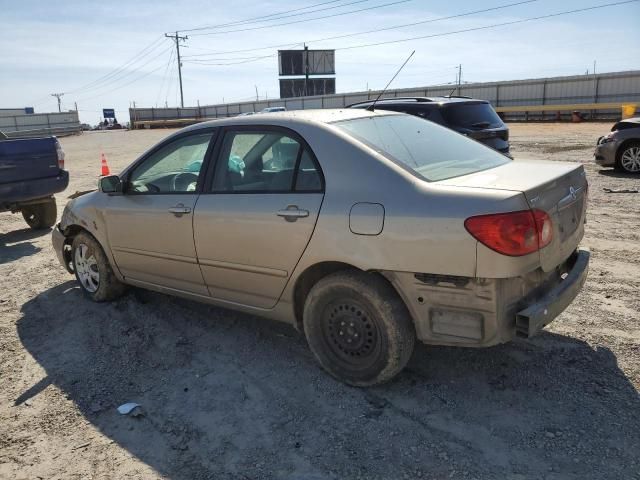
{"x":264,"y":162}
{"x":471,"y":115}
{"x":308,"y":179}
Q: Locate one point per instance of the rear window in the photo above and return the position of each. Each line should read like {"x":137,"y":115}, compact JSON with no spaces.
{"x":429,"y":150}
{"x":471,"y":115}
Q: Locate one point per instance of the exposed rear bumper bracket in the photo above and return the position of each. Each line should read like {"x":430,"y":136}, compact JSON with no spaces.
{"x":533,"y":318}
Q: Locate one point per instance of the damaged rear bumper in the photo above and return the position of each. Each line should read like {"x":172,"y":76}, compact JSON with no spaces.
{"x":481,"y":312}
{"x":533,"y":318}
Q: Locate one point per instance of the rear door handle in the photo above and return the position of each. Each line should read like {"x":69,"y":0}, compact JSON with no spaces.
{"x":292,"y":213}
{"x":179,"y":210}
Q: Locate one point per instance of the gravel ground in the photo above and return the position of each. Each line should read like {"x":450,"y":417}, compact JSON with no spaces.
{"x":231,"y":396}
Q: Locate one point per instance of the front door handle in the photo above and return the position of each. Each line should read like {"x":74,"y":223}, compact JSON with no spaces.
{"x":292,"y":213}
{"x":179,"y":210}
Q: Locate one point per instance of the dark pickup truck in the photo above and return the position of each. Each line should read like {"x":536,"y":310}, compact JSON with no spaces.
{"x":31,"y":171}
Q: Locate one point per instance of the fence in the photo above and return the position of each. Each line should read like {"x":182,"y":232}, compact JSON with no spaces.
{"x":600,"y":96}
{"x":39,"y":124}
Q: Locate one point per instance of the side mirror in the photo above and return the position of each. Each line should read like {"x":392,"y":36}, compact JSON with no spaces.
{"x":111,"y":185}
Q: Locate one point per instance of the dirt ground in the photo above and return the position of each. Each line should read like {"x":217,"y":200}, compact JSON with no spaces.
{"x":230,"y":396}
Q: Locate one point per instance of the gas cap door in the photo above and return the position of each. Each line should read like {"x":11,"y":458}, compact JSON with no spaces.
{"x":366,"y":218}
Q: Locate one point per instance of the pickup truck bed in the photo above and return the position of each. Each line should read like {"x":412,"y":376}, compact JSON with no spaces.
{"x":31,"y":171}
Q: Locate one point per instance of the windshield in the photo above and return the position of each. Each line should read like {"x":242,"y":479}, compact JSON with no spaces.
{"x":429,"y":150}
{"x":471,"y":115}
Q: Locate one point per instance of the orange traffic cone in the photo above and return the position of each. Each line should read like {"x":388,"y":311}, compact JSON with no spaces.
{"x":103,"y":164}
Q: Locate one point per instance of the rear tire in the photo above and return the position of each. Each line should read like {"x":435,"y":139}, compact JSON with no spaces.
{"x":358,"y":328}
{"x":93,"y":271}
{"x":628,"y":158}
{"x":41,"y":215}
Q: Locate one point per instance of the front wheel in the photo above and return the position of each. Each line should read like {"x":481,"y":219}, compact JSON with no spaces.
{"x":93,"y":271}
{"x":629,"y":158}
{"x":41,"y":215}
{"x":358,"y":328}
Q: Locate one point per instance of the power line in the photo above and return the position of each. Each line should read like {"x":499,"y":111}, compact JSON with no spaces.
{"x":306,"y":19}
{"x":164,"y":77}
{"x":144,"y":75}
{"x":486,"y":27}
{"x":169,"y":84}
{"x":231,"y":59}
{"x":473,"y":29}
{"x":109,"y":76}
{"x":431,"y":20}
{"x":115,"y":80}
{"x":129,"y":74}
{"x":276,"y":16}
{"x":249,"y":60}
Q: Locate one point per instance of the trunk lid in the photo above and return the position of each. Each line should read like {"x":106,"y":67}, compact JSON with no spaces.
{"x":28,"y":159}
{"x":559,"y":189}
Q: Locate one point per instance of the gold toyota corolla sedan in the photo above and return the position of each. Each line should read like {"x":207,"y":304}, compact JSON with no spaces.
{"x":365,"y":229}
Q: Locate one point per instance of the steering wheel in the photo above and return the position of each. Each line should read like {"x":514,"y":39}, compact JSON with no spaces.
{"x":181,"y":181}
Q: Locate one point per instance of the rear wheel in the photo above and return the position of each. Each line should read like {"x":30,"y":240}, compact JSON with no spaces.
{"x":93,"y":271}
{"x":358,"y":328}
{"x":629,"y":158}
{"x":41,"y":215}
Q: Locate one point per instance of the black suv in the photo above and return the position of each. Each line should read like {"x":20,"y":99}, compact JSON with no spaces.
{"x":474,"y":118}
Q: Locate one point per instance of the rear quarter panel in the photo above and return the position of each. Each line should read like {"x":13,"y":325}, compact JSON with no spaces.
{"x":423,"y":224}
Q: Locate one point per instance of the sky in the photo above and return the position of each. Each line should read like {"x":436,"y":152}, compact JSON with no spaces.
{"x":109,"y":54}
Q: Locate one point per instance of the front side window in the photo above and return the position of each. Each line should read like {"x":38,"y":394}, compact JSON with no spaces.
{"x":174,"y":168}
{"x":270,"y":161}
{"x":431,"y":151}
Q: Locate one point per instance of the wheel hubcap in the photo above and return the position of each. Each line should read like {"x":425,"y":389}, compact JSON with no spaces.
{"x":86,"y":267}
{"x":351,"y":334}
{"x":631,"y":159}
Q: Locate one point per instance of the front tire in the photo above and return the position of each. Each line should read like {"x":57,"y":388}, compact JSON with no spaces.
{"x":93,"y":271}
{"x":358,"y":328}
{"x":40,"y":215}
{"x":629,"y":158}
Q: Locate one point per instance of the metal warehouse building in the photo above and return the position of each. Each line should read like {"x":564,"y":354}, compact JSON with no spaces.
{"x":595,"y":96}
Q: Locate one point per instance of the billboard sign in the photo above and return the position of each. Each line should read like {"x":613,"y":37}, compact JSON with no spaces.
{"x":295,"y":62}
{"x":108,"y":113}
{"x":295,"y":87}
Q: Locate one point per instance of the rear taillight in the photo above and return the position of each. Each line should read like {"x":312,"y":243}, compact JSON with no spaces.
{"x":60,"y":153}
{"x":513,"y":233}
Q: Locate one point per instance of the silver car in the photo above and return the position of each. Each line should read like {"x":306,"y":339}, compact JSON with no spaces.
{"x":621,"y":147}
{"x":366,"y":230}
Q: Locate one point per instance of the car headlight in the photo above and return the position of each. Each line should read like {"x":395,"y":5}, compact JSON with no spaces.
{"x":608,"y":138}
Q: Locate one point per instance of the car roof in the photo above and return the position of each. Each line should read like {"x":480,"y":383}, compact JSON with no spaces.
{"x":422,"y":100}
{"x":630,"y":120}
{"x":294,"y":117}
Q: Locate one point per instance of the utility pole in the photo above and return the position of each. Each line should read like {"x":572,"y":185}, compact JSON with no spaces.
{"x":58,"y":96}
{"x":257,"y":96}
{"x":177,"y":39}
{"x":459,"y":77}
